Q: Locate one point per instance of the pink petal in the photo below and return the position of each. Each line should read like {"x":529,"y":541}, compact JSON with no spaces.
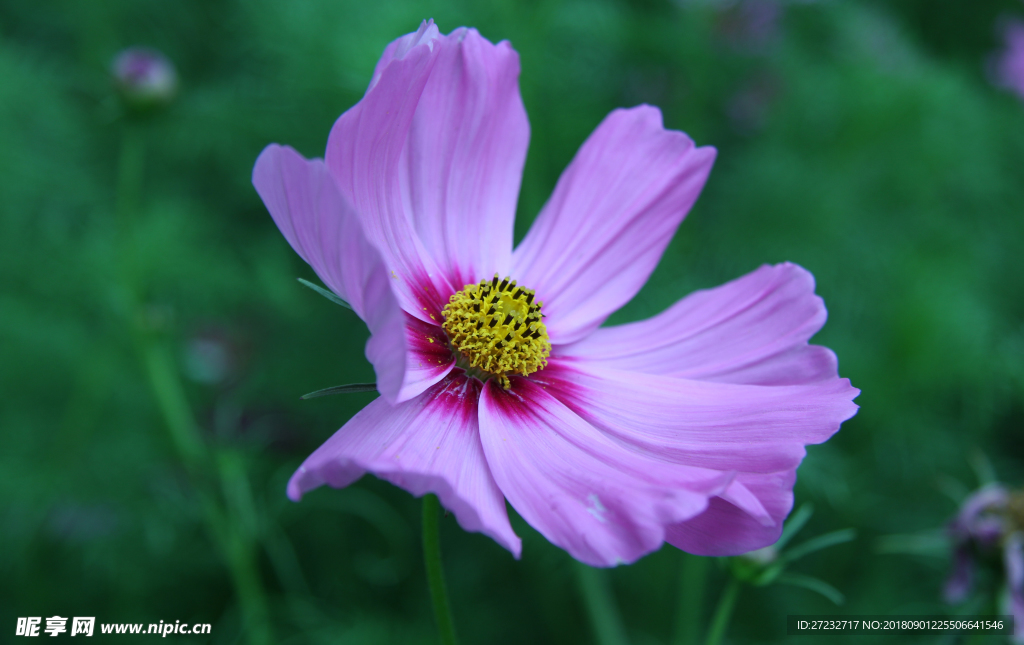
{"x":318,"y":222}
{"x":601,"y":501}
{"x":364,"y":151}
{"x":752,"y":330}
{"x":407,"y":354}
{"x":429,"y":444}
{"x":1010,"y":66}
{"x":726,"y":528}
{"x":432,"y":158}
{"x":739,"y":495}
{"x":614,"y":210}
{"x":429,"y":357}
{"x":398,"y":48}
{"x":1013,"y":559}
{"x":961,"y":579}
{"x":726,"y":426}
{"x":464,"y":158}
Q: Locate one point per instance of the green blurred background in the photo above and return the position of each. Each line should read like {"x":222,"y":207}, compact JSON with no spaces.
{"x":154,"y":343}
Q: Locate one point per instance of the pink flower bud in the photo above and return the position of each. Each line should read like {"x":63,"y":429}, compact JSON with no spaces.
{"x":144,"y":77}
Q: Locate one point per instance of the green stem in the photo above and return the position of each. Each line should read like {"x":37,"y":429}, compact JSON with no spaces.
{"x":435,"y":575}
{"x":233,"y":540}
{"x":232,"y":527}
{"x":723,"y":612}
{"x":170,"y":399}
{"x":604,"y":615}
{"x":691,"y":600}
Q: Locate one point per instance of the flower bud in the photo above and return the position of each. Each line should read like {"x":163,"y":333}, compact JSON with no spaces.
{"x":144,"y":77}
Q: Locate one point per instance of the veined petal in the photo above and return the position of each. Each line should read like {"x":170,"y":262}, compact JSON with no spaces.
{"x":364,"y":152}
{"x":398,"y":48}
{"x":742,"y":497}
{"x":603,"y":503}
{"x":318,"y":222}
{"x":407,"y":354}
{"x":430,"y":444}
{"x":463,"y":161}
{"x":429,"y":358}
{"x":613,"y":211}
{"x":432,"y":159}
{"x":727,"y":426}
{"x":728,"y":527}
{"x":752,"y":330}
{"x":759,"y":431}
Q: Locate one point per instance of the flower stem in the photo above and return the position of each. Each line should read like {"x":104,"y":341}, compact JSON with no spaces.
{"x":435,"y":575}
{"x":234,"y":539}
{"x":691,"y":600}
{"x":723,"y":612}
{"x":604,"y":615}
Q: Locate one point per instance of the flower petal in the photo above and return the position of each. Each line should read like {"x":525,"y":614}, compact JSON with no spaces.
{"x":993,"y":497}
{"x":752,"y":330}
{"x":398,"y":48}
{"x":429,"y":358}
{"x":759,"y":431}
{"x":602,"y":502}
{"x":364,"y":152}
{"x":1009,"y":67}
{"x":432,"y":158}
{"x":728,"y":527}
{"x":613,"y":211}
{"x":463,"y":162}
{"x":318,"y":222}
{"x":428,"y":444}
{"x":960,"y":581}
{"x":407,"y":354}
{"x":1013,"y":560}
{"x":726,"y":426}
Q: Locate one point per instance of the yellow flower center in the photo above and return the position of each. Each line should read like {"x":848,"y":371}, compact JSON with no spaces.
{"x":496,"y":328}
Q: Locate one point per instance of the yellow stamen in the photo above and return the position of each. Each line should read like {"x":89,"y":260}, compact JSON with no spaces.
{"x":497,"y":328}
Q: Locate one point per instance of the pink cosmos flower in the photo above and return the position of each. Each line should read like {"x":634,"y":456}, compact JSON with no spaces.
{"x":497,"y":381}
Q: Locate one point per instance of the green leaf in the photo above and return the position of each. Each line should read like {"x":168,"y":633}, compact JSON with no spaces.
{"x":807,"y":582}
{"x":818,"y":543}
{"x":795,"y":523}
{"x":326,"y":294}
{"x":351,"y":388}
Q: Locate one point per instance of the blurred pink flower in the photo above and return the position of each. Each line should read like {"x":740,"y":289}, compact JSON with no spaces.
{"x":686,"y":428}
{"x":989,"y":529}
{"x":1010,"y":65}
{"x":144,"y":77}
